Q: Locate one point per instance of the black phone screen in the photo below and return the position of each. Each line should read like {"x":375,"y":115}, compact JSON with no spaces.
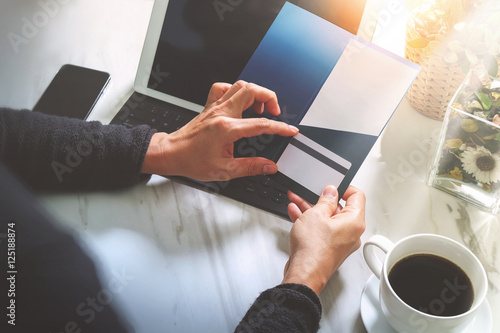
{"x":73,"y":92}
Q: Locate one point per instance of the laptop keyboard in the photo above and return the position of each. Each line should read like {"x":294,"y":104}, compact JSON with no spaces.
{"x":163,"y":118}
{"x":259,"y":191}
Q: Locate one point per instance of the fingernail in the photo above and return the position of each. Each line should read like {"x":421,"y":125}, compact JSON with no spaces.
{"x":294,"y":128}
{"x":270,"y":169}
{"x":330,"y":192}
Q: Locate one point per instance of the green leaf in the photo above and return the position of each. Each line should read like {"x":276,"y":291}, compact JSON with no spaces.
{"x":485,"y":100}
{"x":470,"y":125}
{"x":493,"y":146}
{"x":496,"y":105}
{"x":497,"y":137}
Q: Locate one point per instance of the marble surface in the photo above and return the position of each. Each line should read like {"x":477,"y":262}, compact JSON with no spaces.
{"x":193,"y":261}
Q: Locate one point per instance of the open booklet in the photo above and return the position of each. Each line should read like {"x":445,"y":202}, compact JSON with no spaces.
{"x":337,"y":88}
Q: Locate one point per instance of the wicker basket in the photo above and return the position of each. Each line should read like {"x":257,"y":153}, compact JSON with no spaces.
{"x":437,"y":82}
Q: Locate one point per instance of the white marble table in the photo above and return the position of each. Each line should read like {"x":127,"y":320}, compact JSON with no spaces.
{"x":192,"y":261}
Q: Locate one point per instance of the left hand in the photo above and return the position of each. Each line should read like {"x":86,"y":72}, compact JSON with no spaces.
{"x":323,"y":236}
{"x":203,"y":149}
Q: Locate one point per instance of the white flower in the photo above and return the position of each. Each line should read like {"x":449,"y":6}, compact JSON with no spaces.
{"x":482,"y":164}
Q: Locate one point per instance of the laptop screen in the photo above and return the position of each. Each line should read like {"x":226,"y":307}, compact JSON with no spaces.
{"x":203,"y":42}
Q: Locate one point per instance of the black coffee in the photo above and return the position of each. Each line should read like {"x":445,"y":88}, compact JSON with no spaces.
{"x":432,"y":284}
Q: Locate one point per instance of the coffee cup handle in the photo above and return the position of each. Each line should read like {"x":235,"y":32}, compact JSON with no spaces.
{"x":371,"y":258}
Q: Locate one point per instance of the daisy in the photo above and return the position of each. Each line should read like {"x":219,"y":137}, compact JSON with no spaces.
{"x":482,"y":164}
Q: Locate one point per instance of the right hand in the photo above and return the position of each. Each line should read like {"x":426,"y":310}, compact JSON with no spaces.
{"x":323,"y":236}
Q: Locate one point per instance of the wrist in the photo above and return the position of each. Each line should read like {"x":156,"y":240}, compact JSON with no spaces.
{"x":306,"y":273}
{"x":154,"y":159}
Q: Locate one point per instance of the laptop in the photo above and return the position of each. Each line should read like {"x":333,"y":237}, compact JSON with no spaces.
{"x":191,"y":44}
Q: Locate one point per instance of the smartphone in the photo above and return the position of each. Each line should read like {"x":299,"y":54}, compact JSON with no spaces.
{"x":73,"y":92}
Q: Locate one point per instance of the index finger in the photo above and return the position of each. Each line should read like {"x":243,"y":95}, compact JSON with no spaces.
{"x":245,"y":128}
{"x":218,"y":90}
{"x":301,"y":203}
{"x":354,"y":199}
{"x":252,"y":95}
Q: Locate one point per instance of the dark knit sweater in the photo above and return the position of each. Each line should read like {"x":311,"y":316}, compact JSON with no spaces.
{"x":52,"y":153}
{"x":292,"y":308}
{"x":56,"y":153}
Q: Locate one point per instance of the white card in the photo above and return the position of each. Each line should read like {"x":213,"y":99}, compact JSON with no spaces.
{"x":312,"y":165}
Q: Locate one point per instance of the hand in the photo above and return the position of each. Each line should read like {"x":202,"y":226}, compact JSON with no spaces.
{"x":323,"y":236}
{"x":203,"y":149}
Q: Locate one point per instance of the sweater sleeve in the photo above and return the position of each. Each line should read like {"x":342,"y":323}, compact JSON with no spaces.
{"x":286,"y":308}
{"x":58,"y":153}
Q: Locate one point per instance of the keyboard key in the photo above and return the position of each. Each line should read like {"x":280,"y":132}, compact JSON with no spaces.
{"x":264,"y":194}
{"x":267,"y":182}
{"x":254,"y":179}
{"x":279,"y":197}
{"x":280,"y":188}
{"x":251,"y":189}
{"x":138,"y":114}
{"x":144,"y":106}
{"x":131,"y":122}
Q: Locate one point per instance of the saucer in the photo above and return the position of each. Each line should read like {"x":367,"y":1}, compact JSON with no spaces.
{"x":375,"y":322}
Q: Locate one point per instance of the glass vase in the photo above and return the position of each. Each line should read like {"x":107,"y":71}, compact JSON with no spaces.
{"x":467,"y":161}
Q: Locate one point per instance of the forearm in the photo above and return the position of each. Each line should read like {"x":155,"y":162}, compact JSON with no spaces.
{"x":55,"y":153}
{"x":307,"y":274}
{"x":285,"y":308}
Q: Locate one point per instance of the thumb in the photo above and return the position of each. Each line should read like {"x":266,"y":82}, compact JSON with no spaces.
{"x":328,"y":200}
{"x":251,"y":166}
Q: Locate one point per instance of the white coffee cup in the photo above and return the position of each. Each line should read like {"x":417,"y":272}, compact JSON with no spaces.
{"x":401,"y":316}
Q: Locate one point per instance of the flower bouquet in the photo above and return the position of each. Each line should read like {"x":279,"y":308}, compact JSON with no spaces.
{"x":467,"y":163}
